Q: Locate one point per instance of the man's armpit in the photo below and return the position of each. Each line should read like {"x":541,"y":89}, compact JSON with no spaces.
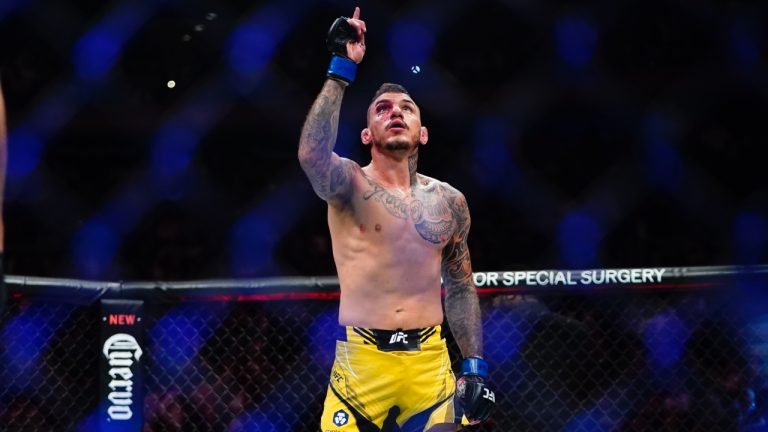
{"x":342,"y":180}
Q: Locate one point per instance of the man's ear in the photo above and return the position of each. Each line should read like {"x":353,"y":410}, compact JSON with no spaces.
{"x":423,"y":135}
{"x":365,"y":136}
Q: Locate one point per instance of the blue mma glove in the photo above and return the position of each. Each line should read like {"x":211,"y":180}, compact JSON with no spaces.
{"x":476,"y":398}
{"x":341,"y":67}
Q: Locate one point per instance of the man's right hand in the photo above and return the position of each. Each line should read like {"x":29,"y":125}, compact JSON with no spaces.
{"x":346,"y":38}
{"x":356,"y":48}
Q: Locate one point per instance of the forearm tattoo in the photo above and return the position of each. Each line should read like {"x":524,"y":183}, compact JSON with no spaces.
{"x":329,"y":175}
{"x":462,"y":308}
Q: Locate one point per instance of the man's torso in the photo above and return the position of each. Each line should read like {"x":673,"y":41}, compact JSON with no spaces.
{"x":387,"y":245}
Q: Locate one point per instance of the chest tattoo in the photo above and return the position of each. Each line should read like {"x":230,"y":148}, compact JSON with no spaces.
{"x":429,"y":211}
{"x":395,"y":205}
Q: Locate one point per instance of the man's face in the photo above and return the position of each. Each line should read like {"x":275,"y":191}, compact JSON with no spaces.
{"x":394,"y":123}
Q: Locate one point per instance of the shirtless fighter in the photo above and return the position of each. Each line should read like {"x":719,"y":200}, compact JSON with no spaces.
{"x":395,"y":232}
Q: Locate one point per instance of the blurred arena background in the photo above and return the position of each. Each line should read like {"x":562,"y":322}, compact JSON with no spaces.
{"x":584,"y":133}
{"x":156,"y":140}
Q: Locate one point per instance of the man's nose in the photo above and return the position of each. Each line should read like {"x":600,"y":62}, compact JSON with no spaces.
{"x":396,"y":111}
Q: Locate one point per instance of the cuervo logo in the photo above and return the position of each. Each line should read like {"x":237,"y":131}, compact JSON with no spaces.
{"x":121,"y":349}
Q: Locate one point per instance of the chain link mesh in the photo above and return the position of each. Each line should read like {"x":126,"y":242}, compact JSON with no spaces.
{"x":592,"y":362}
{"x":48,"y":366}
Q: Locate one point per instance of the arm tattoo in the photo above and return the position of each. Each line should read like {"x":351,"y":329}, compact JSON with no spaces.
{"x":462,"y":308}
{"x":331,"y":177}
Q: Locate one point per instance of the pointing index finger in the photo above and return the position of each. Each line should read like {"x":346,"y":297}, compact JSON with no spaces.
{"x":356,"y":15}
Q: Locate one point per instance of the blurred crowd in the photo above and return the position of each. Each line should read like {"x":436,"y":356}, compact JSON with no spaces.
{"x":638,"y":362}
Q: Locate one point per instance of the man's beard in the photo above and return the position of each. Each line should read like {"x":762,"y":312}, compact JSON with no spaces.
{"x":397,"y":145}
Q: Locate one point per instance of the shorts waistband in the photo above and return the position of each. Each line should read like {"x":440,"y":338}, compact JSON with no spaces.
{"x":392,"y":340}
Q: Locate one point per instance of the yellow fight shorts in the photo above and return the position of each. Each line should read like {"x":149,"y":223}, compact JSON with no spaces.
{"x":389,"y":380}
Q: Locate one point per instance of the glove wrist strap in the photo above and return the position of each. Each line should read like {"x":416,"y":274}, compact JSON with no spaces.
{"x":474,"y":366}
{"x":342,"y":68}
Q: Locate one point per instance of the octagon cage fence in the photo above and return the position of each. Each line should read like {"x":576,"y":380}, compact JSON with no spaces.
{"x":644,"y":349}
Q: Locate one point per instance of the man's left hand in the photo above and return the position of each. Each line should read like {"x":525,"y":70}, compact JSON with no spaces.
{"x":477,"y":399}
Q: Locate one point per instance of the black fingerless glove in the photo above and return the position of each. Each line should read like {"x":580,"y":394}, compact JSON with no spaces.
{"x":476,"y":398}
{"x":341,"y":67}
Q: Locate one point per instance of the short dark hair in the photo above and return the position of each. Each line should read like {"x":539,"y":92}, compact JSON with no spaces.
{"x":389,"y":88}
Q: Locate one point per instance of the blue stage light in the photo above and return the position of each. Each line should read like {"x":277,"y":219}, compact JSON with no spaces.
{"x":514,"y":325}
{"x":179,"y":326}
{"x":25,"y":149}
{"x":576,"y":39}
{"x":93,"y":248}
{"x":743,"y":44}
{"x":579,"y":236}
{"x":665,"y":336}
{"x":252,"y":241}
{"x":173,"y":150}
{"x":254,"y":237}
{"x":252,"y":45}
{"x":255,"y":421}
{"x":750,"y":236}
{"x":321,"y":338}
{"x":25,"y":338}
{"x":99,"y":48}
{"x":95,"y":53}
{"x":665,"y":168}
{"x":410,"y":43}
{"x":493,"y":166}
{"x":250,"y":49}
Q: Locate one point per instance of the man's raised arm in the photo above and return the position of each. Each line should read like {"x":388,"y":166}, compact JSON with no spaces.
{"x":330,"y":175}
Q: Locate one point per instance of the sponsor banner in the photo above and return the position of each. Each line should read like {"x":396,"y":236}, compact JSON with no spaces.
{"x":633,"y":276}
{"x":120,"y":366}
{"x":703,"y":277}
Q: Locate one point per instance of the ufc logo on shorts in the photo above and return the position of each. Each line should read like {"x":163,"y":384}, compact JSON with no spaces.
{"x":398,"y":337}
{"x":488,"y":394}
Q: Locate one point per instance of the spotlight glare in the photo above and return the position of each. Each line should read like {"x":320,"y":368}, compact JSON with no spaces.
{"x":171,"y":84}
